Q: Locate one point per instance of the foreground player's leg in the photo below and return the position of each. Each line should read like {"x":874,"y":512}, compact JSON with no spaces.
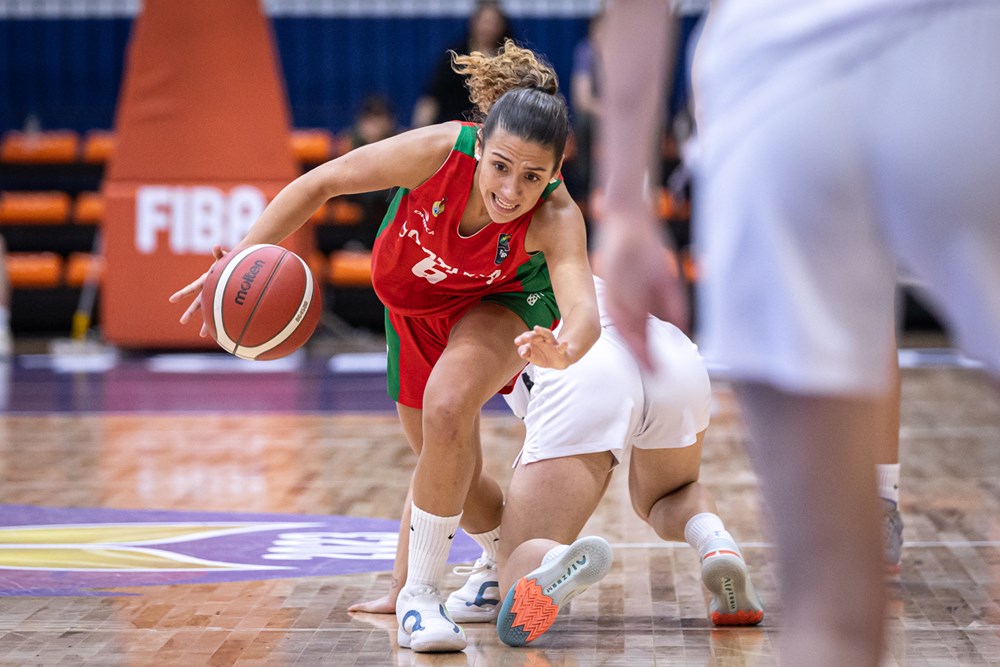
{"x":814,"y":457}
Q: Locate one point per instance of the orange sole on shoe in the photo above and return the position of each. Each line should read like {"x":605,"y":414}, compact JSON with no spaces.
{"x":741,"y":617}
{"x":528,"y":613}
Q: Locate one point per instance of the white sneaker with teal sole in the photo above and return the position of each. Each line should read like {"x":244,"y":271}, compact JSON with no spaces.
{"x":424,"y":624}
{"x":533,"y":601}
{"x":478,"y":600}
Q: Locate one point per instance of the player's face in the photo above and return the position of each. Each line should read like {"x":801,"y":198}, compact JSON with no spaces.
{"x":513,"y":174}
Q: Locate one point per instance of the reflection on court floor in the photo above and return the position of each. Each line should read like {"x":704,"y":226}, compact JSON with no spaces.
{"x":146,"y":504}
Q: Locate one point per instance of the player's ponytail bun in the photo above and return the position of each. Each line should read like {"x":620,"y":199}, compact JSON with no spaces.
{"x":517,"y":92}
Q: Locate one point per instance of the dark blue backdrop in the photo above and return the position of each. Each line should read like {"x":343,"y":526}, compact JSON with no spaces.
{"x":67,"y":72}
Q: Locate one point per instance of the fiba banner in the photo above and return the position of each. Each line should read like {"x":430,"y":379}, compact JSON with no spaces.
{"x":203,"y":135}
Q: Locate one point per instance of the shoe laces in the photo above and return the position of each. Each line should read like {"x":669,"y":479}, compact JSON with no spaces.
{"x":417,"y":590}
{"x":481,"y":565}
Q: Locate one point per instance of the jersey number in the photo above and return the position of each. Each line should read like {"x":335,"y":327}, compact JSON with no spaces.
{"x":427,"y":269}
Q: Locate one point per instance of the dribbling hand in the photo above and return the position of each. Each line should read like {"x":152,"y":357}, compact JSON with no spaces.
{"x":195,"y":288}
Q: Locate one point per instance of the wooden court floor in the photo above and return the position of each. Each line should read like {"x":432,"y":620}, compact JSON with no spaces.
{"x":134,"y":536}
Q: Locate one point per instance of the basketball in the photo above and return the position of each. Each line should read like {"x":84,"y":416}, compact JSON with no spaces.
{"x":261,"y":302}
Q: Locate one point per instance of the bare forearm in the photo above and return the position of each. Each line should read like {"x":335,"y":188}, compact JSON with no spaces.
{"x":289,"y":210}
{"x":581,"y":329}
{"x":639,"y":39}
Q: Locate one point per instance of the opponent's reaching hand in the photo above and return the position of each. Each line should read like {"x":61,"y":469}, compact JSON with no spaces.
{"x":642,"y":277}
{"x":540,"y":347}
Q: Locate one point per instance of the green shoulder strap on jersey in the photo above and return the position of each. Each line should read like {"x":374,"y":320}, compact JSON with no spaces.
{"x":466,"y":142}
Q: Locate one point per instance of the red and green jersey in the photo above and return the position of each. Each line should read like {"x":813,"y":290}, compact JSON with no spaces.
{"x":422,"y":266}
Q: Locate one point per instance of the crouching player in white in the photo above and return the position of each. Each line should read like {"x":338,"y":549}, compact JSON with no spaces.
{"x":579,"y":423}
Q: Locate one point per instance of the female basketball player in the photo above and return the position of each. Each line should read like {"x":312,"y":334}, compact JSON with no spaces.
{"x":579,"y":424}
{"x":462,"y":263}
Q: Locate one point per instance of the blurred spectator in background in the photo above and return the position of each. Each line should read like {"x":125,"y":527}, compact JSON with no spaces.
{"x":584,"y":94}
{"x":374,"y":120}
{"x":446,"y":97}
{"x":6,"y":339}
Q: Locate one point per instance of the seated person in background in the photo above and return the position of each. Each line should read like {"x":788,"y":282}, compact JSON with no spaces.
{"x":6,"y":338}
{"x":580,"y":423}
{"x":446,"y":97}
{"x":374,"y":121}
{"x":584,"y":96}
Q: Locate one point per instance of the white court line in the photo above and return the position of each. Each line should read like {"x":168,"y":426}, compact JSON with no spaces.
{"x":768,"y":545}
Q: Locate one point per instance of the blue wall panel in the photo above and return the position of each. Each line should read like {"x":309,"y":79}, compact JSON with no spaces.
{"x":66,"y":72}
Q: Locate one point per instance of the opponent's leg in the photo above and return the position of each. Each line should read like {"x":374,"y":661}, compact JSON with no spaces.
{"x":539,"y":568}
{"x":665,"y":492}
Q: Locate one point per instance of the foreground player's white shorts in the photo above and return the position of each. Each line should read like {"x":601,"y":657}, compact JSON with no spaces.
{"x":814,"y":191}
{"x":604,"y":403}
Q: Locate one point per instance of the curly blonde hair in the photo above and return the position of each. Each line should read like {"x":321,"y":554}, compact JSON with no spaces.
{"x":517,"y":92}
{"x":489,"y":77}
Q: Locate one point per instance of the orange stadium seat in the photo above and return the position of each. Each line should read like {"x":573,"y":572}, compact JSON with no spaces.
{"x":29,"y":208}
{"x":344,"y":143}
{"x":316,"y":262}
{"x":98,"y":145}
{"x":81,"y":266}
{"x":690,"y":267}
{"x":320,"y":215}
{"x":570,"y":152}
{"x":350,"y":268}
{"x":312,"y":146}
{"x":49,"y":147}
{"x":88,"y":209}
{"x":665,"y":204}
{"x":34,"y":270}
{"x":345,"y":212}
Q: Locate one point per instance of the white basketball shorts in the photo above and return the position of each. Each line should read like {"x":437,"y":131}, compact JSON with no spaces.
{"x":604,"y":402}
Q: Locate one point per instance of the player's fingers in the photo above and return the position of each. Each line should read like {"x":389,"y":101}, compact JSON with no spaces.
{"x":524,"y":338}
{"x":192,"y":288}
{"x":181,"y":293}
{"x":195,"y":305}
{"x":639,"y":346}
{"x":632,"y":327}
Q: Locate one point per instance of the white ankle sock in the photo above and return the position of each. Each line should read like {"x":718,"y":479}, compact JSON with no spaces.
{"x":430,"y":541}
{"x":488,"y":541}
{"x":703,"y":527}
{"x":887,"y":477}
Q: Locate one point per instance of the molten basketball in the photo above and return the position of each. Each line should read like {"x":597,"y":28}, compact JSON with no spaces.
{"x":261,"y":302}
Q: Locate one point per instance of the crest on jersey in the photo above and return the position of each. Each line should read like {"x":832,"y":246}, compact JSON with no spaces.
{"x":438,"y":207}
{"x":503,"y":248}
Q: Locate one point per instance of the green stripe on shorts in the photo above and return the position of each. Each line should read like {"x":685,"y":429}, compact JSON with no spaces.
{"x":535,"y":308}
{"x":392,"y":362}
